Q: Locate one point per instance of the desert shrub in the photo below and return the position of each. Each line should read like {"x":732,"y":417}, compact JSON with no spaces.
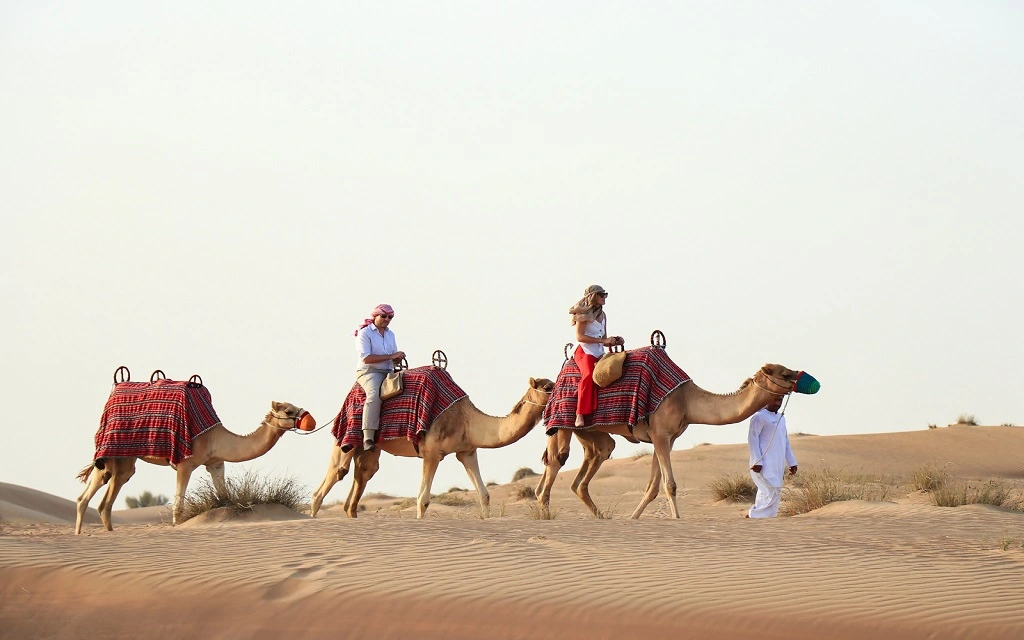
{"x":523,"y":472}
{"x":491,"y":483}
{"x":450,"y":499}
{"x":966,"y":418}
{"x":702,"y":444}
{"x":643,"y":453}
{"x":454,"y":489}
{"x":933,"y":426}
{"x":994,"y":492}
{"x":819,"y":488}
{"x":737,"y":488}
{"x":928,"y":477}
{"x":377,"y":495}
{"x":521,"y":491}
{"x":538,"y":512}
{"x":1007,"y":424}
{"x":146,"y":499}
{"x":245,"y":493}
{"x":405,"y":504}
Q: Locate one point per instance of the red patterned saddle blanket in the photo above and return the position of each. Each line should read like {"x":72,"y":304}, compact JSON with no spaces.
{"x":648,"y":375}
{"x":154,"y":419}
{"x":427,"y":392}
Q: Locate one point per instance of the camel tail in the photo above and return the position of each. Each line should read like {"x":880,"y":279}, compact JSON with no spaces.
{"x":83,"y":475}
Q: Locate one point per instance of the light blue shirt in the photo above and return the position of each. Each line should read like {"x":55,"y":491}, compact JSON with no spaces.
{"x":369,"y":341}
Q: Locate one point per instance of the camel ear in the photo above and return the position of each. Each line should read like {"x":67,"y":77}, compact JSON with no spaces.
{"x":533,"y":383}
{"x":275,"y":405}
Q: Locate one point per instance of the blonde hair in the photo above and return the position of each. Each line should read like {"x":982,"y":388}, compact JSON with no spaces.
{"x":585,"y":310}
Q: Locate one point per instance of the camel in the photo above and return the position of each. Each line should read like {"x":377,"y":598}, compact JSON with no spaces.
{"x":684,"y":405}
{"x":461,"y":429}
{"x":211,"y":448}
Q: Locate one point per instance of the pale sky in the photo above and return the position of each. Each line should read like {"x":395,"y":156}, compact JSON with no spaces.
{"x":228,"y":188}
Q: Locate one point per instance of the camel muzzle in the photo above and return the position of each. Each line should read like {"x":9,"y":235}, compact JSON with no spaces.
{"x":307,"y":422}
{"x":806,"y":383}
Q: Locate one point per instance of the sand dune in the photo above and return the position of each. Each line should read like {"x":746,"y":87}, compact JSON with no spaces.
{"x":852,"y":569}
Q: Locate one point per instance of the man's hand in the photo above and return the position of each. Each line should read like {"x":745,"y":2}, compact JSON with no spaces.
{"x":792,"y":470}
{"x":397,"y":356}
{"x":756,"y":468}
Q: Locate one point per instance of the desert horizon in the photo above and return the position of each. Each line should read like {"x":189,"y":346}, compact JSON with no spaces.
{"x":889,"y":565}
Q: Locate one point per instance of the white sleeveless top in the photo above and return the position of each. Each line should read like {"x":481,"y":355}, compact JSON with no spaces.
{"x":595,"y":329}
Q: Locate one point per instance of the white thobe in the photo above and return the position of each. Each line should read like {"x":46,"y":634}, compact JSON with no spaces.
{"x":769,"y":447}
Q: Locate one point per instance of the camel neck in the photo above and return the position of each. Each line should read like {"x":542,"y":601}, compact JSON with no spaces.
{"x":491,"y":432}
{"x":704,"y":407}
{"x":238,"y":448}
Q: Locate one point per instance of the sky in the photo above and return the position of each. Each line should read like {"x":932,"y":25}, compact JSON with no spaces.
{"x":226,"y":189}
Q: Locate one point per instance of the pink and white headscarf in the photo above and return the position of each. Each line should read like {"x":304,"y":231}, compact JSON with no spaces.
{"x":379,"y":309}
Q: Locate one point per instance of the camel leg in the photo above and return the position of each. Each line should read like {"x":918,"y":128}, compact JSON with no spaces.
{"x":337,"y":469}
{"x":216,"y":471}
{"x":122,"y":469}
{"x":472,"y":465}
{"x":598,"y":447}
{"x":185,"y":469}
{"x":665,"y":461}
{"x":97,"y":478}
{"x":652,"y":488}
{"x":430,"y":462}
{"x":367,"y":463}
{"x":554,"y":458}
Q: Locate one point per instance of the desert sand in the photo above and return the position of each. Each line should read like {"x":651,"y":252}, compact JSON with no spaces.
{"x":901,"y":568}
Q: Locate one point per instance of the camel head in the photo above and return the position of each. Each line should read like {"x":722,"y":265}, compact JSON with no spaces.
{"x":286,"y":416}
{"x":540,"y":391}
{"x":782,"y":380}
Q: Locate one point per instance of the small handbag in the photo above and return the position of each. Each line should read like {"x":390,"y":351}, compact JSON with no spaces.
{"x":609,"y":368}
{"x":392,"y":385}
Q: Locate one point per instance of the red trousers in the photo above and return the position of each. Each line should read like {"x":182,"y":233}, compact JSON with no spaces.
{"x":586,"y":398}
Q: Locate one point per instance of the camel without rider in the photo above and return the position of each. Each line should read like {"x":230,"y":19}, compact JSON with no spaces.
{"x":685,"y":405}
{"x":461,"y":429}
{"x":211,"y":448}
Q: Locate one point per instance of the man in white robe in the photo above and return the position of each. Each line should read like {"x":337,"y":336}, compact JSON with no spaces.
{"x":770,"y":454}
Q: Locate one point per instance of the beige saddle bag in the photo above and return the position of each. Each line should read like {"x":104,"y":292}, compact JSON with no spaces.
{"x":392,"y":385}
{"x":609,"y":368}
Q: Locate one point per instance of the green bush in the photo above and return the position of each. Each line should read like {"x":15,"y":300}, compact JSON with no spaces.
{"x":146,"y":499}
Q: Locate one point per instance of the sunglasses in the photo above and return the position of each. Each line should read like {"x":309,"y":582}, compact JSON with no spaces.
{"x":386,"y":316}
{"x":603,"y":294}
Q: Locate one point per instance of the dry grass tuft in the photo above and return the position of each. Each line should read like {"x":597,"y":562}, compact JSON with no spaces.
{"x":1007,"y":424}
{"x":737,"y":488}
{"x":523,"y":472}
{"x":994,"y":492}
{"x":450,"y":499}
{"x":643,"y":453}
{"x":377,"y":495}
{"x":245,"y":493}
{"x":521,"y":491}
{"x":538,"y":512}
{"x":405,"y":504}
{"x":929,"y":477}
{"x":819,"y":488}
{"x":966,"y":418}
{"x":491,"y":483}
{"x":933,"y":426}
{"x":3,"y":526}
